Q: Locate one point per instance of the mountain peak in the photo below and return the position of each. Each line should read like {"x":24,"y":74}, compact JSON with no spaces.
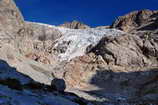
{"x":133,"y":20}
{"x":75,"y":25}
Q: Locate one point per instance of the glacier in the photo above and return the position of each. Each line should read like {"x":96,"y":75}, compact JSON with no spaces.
{"x":78,"y":40}
{"x":74,"y":42}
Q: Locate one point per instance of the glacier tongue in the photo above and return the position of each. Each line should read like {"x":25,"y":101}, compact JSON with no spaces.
{"x":74,"y":42}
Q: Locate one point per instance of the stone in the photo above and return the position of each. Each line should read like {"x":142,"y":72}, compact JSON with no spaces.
{"x":58,"y":84}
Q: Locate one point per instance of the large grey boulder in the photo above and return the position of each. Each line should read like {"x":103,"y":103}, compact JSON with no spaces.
{"x":58,"y":84}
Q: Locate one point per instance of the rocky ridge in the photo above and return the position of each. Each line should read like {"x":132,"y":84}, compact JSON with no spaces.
{"x":134,"y":20}
{"x":74,"y":25}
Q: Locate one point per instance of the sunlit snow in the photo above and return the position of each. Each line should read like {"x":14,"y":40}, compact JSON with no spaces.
{"x":74,"y":42}
{"x":80,"y":39}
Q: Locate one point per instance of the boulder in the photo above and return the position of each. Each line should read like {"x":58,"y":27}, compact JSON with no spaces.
{"x":58,"y":84}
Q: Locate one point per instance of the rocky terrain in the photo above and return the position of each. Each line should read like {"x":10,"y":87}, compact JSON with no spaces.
{"x":74,"y":25}
{"x":135,"y":20}
{"x":74,"y":64}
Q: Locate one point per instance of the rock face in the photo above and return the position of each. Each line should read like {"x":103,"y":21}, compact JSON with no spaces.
{"x":74,"y":25}
{"x":12,"y":26}
{"x":128,"y":51}
{"x":133,"y":20}
{"x":11,"y":21}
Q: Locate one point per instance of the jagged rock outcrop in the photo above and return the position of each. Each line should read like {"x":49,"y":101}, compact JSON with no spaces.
{"x":12,"y":27}
{"x":128,"y":51}
{"x":133,"y":20}
{"x":151,"y":25}
{"x":11,"y":21}
{"x":74,"y":25}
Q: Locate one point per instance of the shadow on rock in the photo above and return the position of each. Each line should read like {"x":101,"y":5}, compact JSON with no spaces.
{"x":13,"y":79}
{"x":18,"y":82}
{"x":131,"y":87}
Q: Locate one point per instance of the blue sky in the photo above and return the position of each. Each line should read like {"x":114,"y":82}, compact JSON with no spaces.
{"x":91,"y":12}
